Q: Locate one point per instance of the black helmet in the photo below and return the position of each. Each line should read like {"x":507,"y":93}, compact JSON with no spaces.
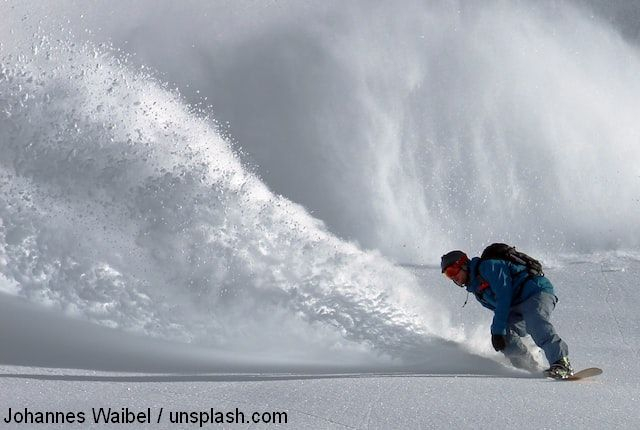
{"x":451,"y":258}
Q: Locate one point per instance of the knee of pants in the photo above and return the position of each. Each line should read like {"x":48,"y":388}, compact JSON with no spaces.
{"x":514,"y":346}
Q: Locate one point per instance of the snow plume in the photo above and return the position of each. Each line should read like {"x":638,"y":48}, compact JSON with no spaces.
{"x":122,"y":205}
{"x":409,"y":130}
{"x":419,"y":128}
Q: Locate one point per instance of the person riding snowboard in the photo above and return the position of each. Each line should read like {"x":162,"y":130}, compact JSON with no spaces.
{"x":522,"y":303}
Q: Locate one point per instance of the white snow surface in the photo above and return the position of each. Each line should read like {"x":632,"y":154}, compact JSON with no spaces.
{"x":596,"y":315}
{"x":239,"y":204}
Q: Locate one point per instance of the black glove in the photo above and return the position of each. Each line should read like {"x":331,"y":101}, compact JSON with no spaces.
{"x":498,"y":341}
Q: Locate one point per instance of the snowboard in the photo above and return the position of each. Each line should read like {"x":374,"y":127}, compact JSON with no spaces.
{"x":582,"y":374}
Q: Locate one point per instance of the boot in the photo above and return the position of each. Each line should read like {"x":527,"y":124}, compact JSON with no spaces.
{"x":561,"y":369}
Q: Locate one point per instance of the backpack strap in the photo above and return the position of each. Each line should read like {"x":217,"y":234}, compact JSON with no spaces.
{"x":484,"y":285}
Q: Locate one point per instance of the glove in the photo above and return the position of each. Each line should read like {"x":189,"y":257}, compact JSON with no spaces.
{"x":498,"y":341}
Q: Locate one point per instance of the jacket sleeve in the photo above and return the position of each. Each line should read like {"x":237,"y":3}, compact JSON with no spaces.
{"x":498,"y":275}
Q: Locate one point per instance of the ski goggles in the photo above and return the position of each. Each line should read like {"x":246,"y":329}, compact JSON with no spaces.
{"x":453,"y":270}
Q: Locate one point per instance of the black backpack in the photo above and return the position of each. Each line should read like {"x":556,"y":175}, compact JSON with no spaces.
{"x":502,"y":251}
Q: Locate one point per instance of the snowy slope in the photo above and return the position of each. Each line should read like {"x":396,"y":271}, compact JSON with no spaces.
{"x":317,"y":397}
{"x":242,"y":204}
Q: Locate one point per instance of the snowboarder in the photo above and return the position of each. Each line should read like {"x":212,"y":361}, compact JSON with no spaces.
{"x":522,"y":304}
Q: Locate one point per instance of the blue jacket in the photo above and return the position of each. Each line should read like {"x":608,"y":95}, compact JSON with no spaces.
{"x":504,"y":290}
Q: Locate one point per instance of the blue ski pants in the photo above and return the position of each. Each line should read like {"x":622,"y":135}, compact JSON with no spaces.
{"x":533,"y":317}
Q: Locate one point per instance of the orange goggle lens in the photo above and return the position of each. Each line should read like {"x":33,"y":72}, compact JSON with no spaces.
{"x":451,"y":271}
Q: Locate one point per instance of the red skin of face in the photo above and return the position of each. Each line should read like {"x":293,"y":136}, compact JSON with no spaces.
{"x":461,"y":278}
